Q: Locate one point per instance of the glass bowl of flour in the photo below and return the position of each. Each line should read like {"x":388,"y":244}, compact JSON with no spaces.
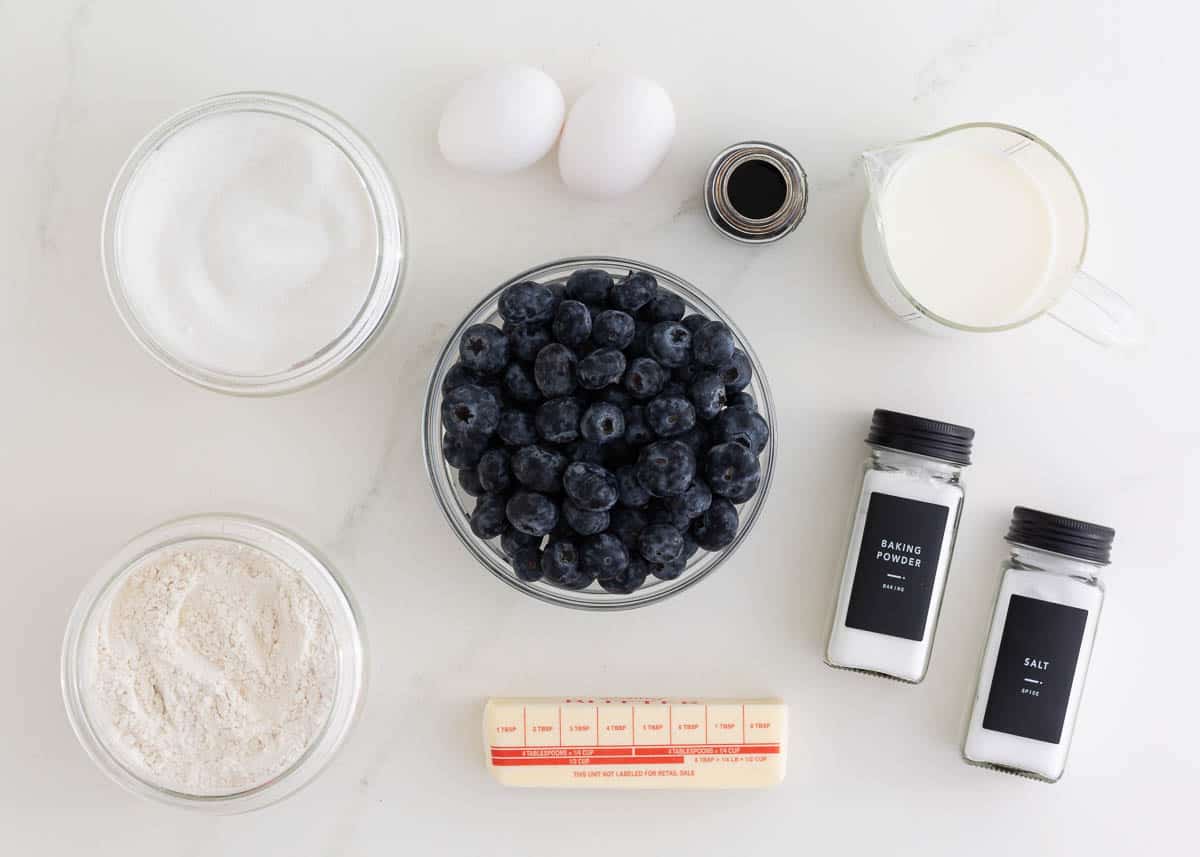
{"x":215,"y":663}
{"x":254,"y":243}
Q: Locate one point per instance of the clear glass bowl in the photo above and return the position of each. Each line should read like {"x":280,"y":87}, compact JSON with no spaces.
{"x":330,"y":590}
{"x":456,"y":504}
{"x":391,"y":245}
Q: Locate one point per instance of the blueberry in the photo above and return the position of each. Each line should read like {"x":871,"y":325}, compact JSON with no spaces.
{"x":602,"y":367}
{"x":527,"y":564}
{"x":644,"y":378}
{"x":518,"y":381}
{"x":584,"y":450}
{"x":532,"y":513}
{"x":456,"y":376}
{"x":487,"y":519}
{"x":483,"y":348}
{"x":517,"y":428}
{"x":617,"y":396}
{"x":736,"y":371}
{"x":495,"y":471}
{"x":670,"y":344}
{"x":526,"y":340}
{"x":689,"y":547}
{"x":666,"y":306}
{"x":627,"y":525}
{"x":670,"y":415}
{"x":463,"y":450}
{"x":584,"y":521}
{"x":637,"y":429}
{"x":730,"y":467}
{"x":554,"y":370}
{"x":572,"y":323}
{"x":745,"y":427}
{"x":660,"y":543}
{"x":514,"y":540}
{"x":694,"y":323}
{"x":527,"y":303}
{"x":666,"y":468}
{"x":591,"y":486}
{"x":539,"y":468}
{"x":560,"y":561}
{"x":613,"y":329}
{"x":693,"y":502}
{"x":629,"y":490}
{"x":717,"y":527}
{"x":713,"y":344}
{"x":470,"y":410}
{"x":602,"y":423}
{"x":589,"y":285}
{"x":708,"y":394}
{"x":743,"y":400}
{"x":557,"y":420}
{"x":603,"y":556}
{"x":468,"y":478}
{"x":634,"y":292}
{"x":667,"y":570}
{"x":744,"y":492}
{"x":696,"y":439}
{"x":686,"y":374}
{"x":627,"y":581}
{"x":674,"y":388}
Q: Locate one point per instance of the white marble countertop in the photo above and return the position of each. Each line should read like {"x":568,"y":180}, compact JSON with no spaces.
{"x":98,"y":442}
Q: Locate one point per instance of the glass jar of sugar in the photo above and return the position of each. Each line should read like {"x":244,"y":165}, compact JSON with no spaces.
{"x":1039,"y":645}
{"x":901,"y":542}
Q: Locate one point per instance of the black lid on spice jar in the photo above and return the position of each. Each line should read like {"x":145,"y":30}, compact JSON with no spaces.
{"x":921,"y":436}
{"x":1067,"y":536}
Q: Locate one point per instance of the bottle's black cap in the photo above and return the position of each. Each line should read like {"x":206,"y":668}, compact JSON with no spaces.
{"x":1057,"y":534}
{"x":933,"y":438}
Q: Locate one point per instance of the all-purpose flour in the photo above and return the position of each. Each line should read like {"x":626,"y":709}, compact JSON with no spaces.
{"x":214,"y":668}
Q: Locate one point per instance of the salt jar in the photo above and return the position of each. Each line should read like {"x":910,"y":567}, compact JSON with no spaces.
{"x":901,"y":542}
{"x":1039,"y":646}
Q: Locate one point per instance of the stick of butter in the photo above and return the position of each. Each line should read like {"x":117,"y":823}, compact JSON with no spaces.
{"x":636,"y":742}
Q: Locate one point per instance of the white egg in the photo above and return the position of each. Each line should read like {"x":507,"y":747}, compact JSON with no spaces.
{"x":503,"y":119}
{"x":616,"y":135}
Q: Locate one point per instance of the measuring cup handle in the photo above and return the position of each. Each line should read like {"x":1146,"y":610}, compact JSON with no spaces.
{"x":1094,"y":310}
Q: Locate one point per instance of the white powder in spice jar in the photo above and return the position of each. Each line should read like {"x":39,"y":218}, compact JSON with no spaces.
{"x":213,"y":668}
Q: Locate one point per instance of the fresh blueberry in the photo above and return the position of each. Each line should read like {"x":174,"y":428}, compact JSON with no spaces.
{"x":743,"y":492}
{"x":686,"y":374}
{"x":637,"y":429}
{"x":517,"y":428}
{"x":532,"y":513}
{"x":708,"y":394}
{"x":572,"y":324}
{"x":692,"y":503}
{"x":463,"y":450}
{"x":539,"y":468}
{"x":730,"y":468}
{"x":560,"y":561}
{"x":557,"y":420}
{"x":717,"y":527}
{"x":696,"y":439}
{"x":627,"y":581}
{"x":713,"y":344}
{"x":483,"y":348}
{"x":670,"y":344}
{"x":617,"y":396}
{"x":589,"y":285}
{"x":689,"y":547}
{"x":527,"y":303}
{"x":666,"y":468}
{"x":667,"y":570}
{"x":584,"y":521}
{"x":514,"y":540}
{"x":527,"y":564}
{"x":603,"y":556}
{"x":670,"y":415}
{"x":674,"y":388}
{"x":602,"y":423}
{"x":660,"y":543}
{"x":526,"y":340}
{"x":736,"y":371}
{"x":738,"y":425}
{"x":554,"y":370}
{"x":694,"y":323}
{"x":495,"y":471}
{"x":584,"y":450}
{"x":518,"y":381}
{"x":602,"y":367}
{"x":629,"y":489}
{"x":644,"y":378}
{"x":612,"y":328}
{"x":627,"y":525}
{"x":487,"y":519}
{"x":456,"y":376}
{"x":468,"y":478}
{"x":743,"y":400}
{"x":591,"y":486}
{"x":666,"y":306}
{"x":634,"y":292}
{"x":470,"y":410}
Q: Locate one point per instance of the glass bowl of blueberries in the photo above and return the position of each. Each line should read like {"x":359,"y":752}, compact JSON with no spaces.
{"x":599,"y":434}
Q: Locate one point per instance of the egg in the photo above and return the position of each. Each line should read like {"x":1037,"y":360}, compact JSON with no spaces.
{"x":616,"y":135}
{"x":502,"y":120}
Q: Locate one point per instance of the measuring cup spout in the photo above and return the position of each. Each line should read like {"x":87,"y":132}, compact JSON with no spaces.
{"x":879,"y":163}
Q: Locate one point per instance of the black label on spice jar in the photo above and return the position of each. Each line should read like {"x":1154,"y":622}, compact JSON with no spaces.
{"x":898,"y":560}
{"x":1035,"y":669}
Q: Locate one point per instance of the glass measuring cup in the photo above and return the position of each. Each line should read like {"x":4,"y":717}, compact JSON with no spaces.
{"x":1066,"y":293}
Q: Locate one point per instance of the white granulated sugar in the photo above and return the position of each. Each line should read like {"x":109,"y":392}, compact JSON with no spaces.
{"x":214,"y":668}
